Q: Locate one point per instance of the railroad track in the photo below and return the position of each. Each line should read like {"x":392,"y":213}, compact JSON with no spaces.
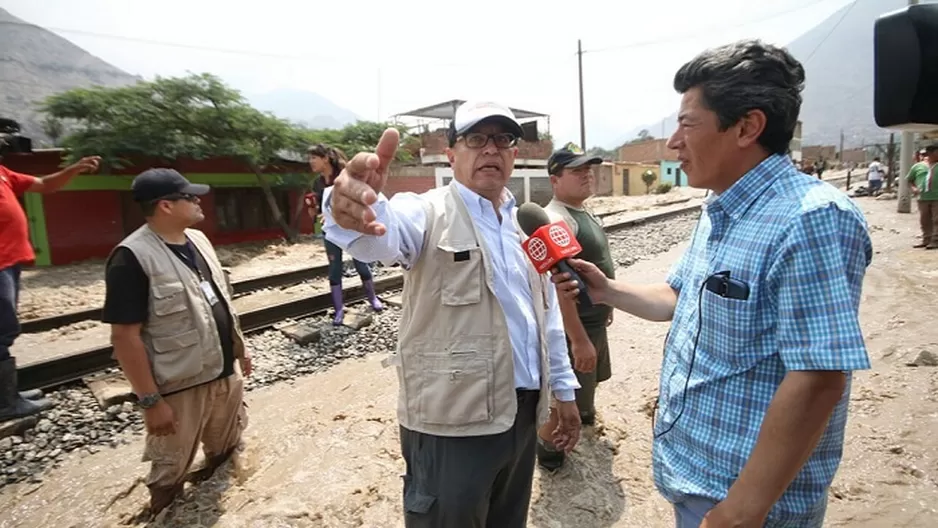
{"x":241,"y":287}
{"x":75,"y":366}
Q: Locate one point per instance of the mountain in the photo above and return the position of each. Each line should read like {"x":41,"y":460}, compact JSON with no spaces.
{"x":311,"y":109}
{"x":837,"y":55}
{"x":36,"y":63}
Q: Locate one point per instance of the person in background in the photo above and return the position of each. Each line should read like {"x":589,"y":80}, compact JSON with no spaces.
{"x":875,"y":175}
{"x":328,"y":162}
{"x":765,"y":333}
{"x":481,"y":346}
{"x":571,"y":177}
{"x":15,"y":251}
{"x":176,"y":335}
{"x":924,"y":183}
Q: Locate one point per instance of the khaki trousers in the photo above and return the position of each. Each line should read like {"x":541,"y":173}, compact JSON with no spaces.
{"x":211,"y":414}
{"x":928,"y":220}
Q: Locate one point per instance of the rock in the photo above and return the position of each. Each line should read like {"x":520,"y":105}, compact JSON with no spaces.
{"x":109,"y":389}
{"x":6,"y":444}
{"x":395,"y":300}
{"x":924,"y":359}
{"x":301,"y":334}
{"x":17,"y":427}
{"x":897,"y":450}
{"x":887,"y":196}
{"x":357,"y":321}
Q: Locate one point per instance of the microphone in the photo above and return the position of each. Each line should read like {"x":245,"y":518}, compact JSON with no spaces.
{"x":550,"y":244}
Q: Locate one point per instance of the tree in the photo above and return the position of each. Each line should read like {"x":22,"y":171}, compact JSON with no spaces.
{"x":195,"y":116}
{"x":53,"y":128}
{"x":607,"y":155}
{"x":649,"y":177}
{"x":643,"y":135}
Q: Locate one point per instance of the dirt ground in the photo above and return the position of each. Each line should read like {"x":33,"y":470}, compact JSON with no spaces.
{"x":323,"y":451}
{"x":51,"y":291}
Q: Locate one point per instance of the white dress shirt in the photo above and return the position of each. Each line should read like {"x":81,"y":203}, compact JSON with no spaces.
{"x":405,"y":219}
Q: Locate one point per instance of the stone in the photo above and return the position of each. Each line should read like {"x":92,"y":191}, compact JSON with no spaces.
{"x":110,"y":389}
{"x":17,"y":427}
{"x":357,"y":321}
{"x":301,"y":334}
{"x":924,"y":359}
{"x":396,"y":300}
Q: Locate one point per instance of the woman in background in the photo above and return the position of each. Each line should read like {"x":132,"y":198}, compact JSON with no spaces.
{"x":328,"y":163}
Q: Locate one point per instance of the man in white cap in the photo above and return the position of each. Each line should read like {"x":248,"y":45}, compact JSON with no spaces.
{"x":481,"y":343}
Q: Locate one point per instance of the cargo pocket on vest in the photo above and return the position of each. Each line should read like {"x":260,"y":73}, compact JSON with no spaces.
{"x":456,"y":389}
{"x":168,"y":298}
{"x":176,"y":357}
{"x":461,"y":277}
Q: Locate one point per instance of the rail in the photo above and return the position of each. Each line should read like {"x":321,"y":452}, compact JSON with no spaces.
{"x":74,"y":366}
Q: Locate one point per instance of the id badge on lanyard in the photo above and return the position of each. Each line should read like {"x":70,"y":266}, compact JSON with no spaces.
{"x":209,"y":292}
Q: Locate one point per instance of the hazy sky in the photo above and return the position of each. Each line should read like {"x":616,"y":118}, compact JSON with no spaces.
{"x":521,"y":53}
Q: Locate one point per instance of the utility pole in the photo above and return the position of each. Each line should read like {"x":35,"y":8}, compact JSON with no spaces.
{"x":890,"y":161}
{"x":579,"y":53}
{"x":841,"y":156}
{"x":904,"y":203}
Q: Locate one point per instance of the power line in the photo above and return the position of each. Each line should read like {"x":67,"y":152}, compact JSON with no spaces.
{"x":831,"y":32}
{"x":124,"y":38}
{"x":706,"y":31}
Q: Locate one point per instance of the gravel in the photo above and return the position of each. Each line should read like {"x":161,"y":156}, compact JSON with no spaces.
{"x":644,"y":241}
{"x":78,"y":425}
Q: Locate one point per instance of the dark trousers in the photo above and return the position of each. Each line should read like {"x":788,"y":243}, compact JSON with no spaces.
{"x":9,"y":295}
{"x":586,"y":394}
{"x":472,"y":481}
{"x":334,"y":253}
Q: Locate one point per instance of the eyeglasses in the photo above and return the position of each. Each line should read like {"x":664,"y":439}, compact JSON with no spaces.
{"x":478,"y":140}
{"x":180,"y":196}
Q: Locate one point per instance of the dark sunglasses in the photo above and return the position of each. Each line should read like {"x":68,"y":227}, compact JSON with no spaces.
{"x":179,"y":196}
{"x":478,"y":140}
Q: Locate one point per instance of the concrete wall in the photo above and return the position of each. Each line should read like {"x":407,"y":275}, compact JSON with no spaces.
{"x":628,"y":179}
{"x":670,"y":172}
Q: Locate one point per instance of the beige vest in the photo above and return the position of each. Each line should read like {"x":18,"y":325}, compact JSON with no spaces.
{"x":180,"y":335}
{"x":454,"y":360}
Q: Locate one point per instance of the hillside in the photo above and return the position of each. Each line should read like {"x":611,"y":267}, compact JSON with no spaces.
{"x":36,"y":63}
{"x":308,"y":108}
{"x":839,"y":77}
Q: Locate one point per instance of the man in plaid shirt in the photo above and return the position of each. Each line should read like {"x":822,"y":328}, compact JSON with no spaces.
{"x":755,"y":379}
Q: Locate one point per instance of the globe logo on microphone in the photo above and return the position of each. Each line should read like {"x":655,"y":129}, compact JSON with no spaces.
{"x":537,"y":249}
{"x":559,"y":235}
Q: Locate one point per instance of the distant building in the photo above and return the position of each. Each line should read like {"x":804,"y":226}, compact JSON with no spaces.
{"x":794,"y":147}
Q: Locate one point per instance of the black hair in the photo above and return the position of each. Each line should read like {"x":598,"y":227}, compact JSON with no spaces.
{"x":749,"y":75}
{"x":334,"y":156}
{"x":149,"y":208}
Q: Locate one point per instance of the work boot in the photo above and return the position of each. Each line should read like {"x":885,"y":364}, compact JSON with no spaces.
{"x":12,"y":404}
{"x":338,"y":305}
{"x":161,"y":497}
{"x":33,"y":394}
{"x":369,"y":286}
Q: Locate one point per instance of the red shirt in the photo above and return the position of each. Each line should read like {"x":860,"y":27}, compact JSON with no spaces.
{"x":14,"y":230}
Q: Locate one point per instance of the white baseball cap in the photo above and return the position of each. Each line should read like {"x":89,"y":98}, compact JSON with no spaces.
{"x":471,"y":113}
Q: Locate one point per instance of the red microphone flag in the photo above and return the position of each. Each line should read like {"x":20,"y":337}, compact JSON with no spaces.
{"x":550,"y":244}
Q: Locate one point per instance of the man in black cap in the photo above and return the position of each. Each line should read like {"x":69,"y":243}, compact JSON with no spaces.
{"x":571,"y":176}
{"x":176,"y":335}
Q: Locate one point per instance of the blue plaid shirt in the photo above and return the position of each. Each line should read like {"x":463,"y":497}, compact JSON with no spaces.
{"x":802,"y":247}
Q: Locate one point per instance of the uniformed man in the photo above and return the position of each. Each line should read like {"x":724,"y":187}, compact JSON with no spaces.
{"x":571,"y":176}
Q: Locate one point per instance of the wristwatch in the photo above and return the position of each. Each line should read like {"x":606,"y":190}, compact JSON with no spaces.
{"x":148,"y":400}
